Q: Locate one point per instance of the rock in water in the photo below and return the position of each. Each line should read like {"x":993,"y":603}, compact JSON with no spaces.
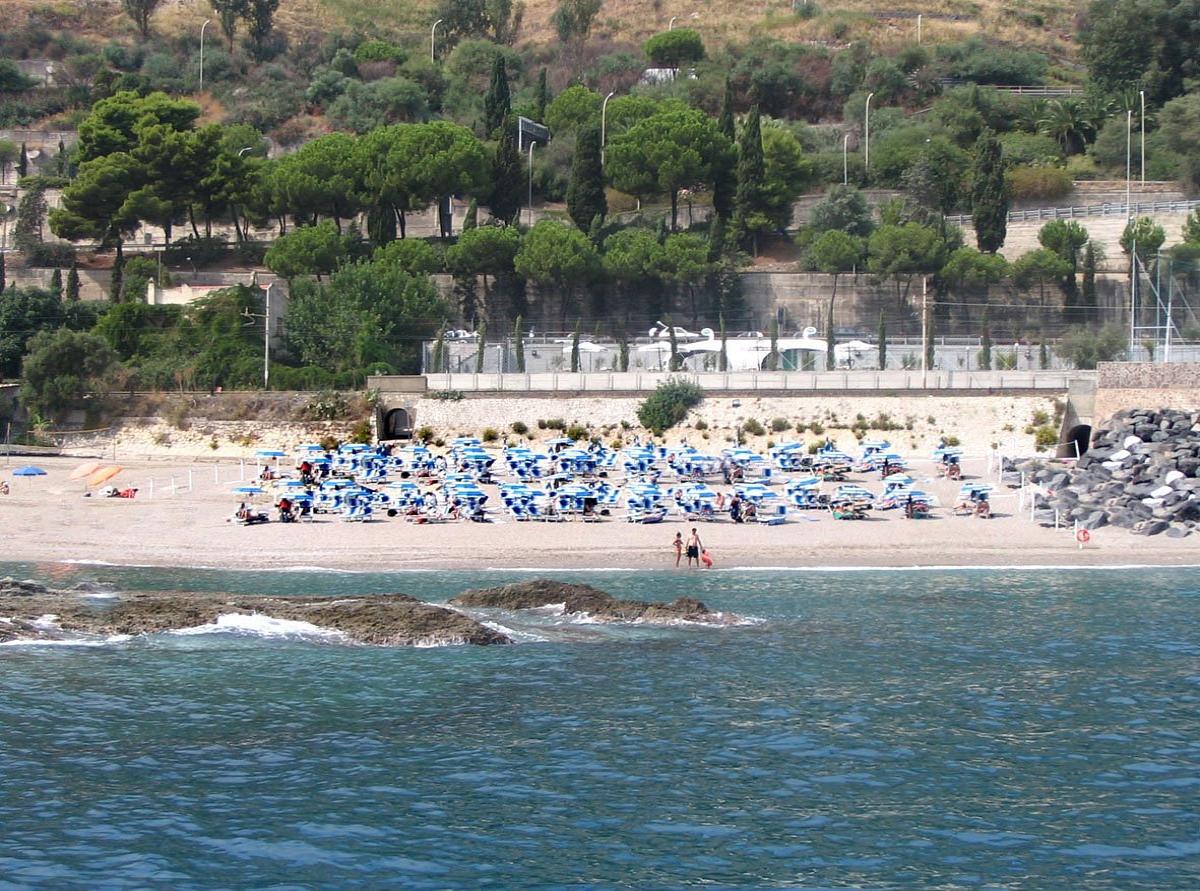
{"x":586,"y":600}
{"x":381,"y":620}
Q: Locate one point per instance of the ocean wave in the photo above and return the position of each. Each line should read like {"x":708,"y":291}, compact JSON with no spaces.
{"x":67,"y":641}
{"x":258,"y":624}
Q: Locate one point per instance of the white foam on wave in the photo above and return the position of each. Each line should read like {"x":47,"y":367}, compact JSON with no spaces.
{"x":955,"y":567}
{"x":522,"y":636}
{"x":256,"y":623}
{"x":68,"y":641}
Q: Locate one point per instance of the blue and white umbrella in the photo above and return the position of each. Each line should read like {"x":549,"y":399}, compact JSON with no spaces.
{"x":29,"y":470}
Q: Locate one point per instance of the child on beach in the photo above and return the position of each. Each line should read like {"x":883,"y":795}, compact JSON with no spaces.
{"x":678,"y":548}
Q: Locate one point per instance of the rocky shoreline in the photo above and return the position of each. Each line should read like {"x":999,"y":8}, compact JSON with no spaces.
{"x":390,"y":620}
{"x":1142,"y":473}
{"x":584,"y":600}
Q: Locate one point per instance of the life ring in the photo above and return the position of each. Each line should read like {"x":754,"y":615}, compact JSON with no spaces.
{"x":1083,"y":536}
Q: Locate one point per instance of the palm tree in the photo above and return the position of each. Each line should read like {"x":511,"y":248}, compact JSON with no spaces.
{"x":1066,"y":121}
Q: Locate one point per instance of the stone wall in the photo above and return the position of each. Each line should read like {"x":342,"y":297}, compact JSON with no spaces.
{"x":1156,"y":386}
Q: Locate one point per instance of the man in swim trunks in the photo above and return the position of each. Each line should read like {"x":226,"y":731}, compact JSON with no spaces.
{"x":693,"y":548}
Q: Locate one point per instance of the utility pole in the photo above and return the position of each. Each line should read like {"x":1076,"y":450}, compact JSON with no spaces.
{"x":603,"y":123}
{"x":1142,"y":94}
{"x":845,"y":159}
{"x":432,"y":40}
{"x":924,"y":332}
{"x":867,"y":134}
{"x":532,"y":144}
{"x":207,"y":22}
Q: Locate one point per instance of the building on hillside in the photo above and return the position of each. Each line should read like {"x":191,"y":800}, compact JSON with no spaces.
{"x":187,"y":293}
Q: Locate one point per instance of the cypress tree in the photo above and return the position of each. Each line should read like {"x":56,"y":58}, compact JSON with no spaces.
{"x":471,"y":218}
{"x":723,"y":358}
{"x":56,"y":282}
{"x":930,"y":331}
{"x":438,"y":360}
{"x":585,"y":193}
{"x":543,"y":95}
{"x":507,"y":182}
{"x":773,"y":356}
{"x":989,"y":195}
{"x":72,"y":292}
{"x":1087,"y":296}
{"x":675,"y":362}
{"x":1043,"y":356}
{"x":519,"y":344}
{"x":23,"y":163}
{"x":3,"y":274}
{"x":830,"y":354}
{"x":882,"y":338}
{"x":497,"y":105}
{"x":748,"y":201}
{"x":116,"y":281}
{"x":575,"y":349}
{"x":60,"y":160}
{"x":623,"y":354}
{"x":596,"y":230}
{"x":481,"y":350}
{"x":985,"y":342}
{"x":724,"y":175}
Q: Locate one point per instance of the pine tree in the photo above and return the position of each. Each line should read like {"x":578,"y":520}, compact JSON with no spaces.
{"x":623,"y":354}
{"x":471,"y":217}
{"x":585,"y":193}
{"x":56,"y":282}
{"x":481,"y":351}
{"x":519,"y":344}
{"x":72,"y":292}
{"x":882,"y":338}
{"x":543,"y":95}
{"x":985,"y":342}
{"x":1087,"y":296}
{"x":575,"y":350}
{"x":724,"y":174}
{"x":748,"y":216}
{"x":507,"y":182}
{"x":23,"y":163}
{"x":723,"y":357}
{"x":497,"y":105}
{"x":989,"y":195}
{"x":118,"y":275}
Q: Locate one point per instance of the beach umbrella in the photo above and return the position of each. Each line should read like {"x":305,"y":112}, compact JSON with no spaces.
{"x":270,"y":453}
{"x":103,"y":475}
{"x":29,"y":470}
{"x":84,"y":470}
{"x":247,"y":490}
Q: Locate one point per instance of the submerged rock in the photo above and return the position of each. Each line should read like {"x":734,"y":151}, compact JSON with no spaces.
{"x":381,"y":620}
{"x":586,"y":600}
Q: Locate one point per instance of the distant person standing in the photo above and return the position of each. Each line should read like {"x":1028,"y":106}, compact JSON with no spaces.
{"x":693,"y":548}
{"x":678,"y":548}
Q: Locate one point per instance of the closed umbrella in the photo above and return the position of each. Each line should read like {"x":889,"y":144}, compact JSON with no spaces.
{"x":103,"y":475}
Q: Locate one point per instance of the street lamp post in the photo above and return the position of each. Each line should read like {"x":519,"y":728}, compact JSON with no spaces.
{"x":1142,"y":94}
{"x":531,"y":147}
{"x":1128,"y":161}
{"x":867,"y":133}
{"x":207,"y":22}
{"x":603,"y":123}
{"x":432,"y":41}
{"x":671,"y":24}
{"x":845,"y":159}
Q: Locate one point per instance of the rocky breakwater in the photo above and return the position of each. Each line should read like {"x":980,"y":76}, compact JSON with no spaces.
{"x":30,"y":611}
{"x":584,"y":600}
{"x":1142,"y":473}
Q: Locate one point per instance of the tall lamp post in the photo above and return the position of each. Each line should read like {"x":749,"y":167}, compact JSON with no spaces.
{"x":207,"y":22}
{"x":531,"y":147}
{"x":1142,"y":94}
{"x":433,"y":41}
{"x":1128,"y":162}
{"x":845,"y":159}
{"x":867,"y":133}
{"x":603,"y":123}
{"x":671,"y":24}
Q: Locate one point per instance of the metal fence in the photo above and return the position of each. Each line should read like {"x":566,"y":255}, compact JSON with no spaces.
{"x":750,"y":381}
{"x":1108,"y":209}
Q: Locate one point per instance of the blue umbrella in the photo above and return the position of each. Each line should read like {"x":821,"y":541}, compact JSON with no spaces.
{"x":29,"y":471}
{"x":270,"y":453}
{"x":247,"y":490}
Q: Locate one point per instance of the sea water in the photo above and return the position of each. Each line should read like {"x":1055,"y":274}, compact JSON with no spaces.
{"x":951,"y":729}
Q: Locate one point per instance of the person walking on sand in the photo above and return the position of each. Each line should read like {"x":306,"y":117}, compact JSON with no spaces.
{"x":678,"y":548}
{"x":693,"y":548}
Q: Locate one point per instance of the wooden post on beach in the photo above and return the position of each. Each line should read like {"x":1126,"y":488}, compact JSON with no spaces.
{"x":216,"y":474}
{"x":151,"y":487}
{"x":190,"y":486}
{"x":172,"y":485}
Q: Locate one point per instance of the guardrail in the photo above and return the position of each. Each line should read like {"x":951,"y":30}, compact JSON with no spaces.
{"x":1108,"y":209}
{"x":797,"y":382}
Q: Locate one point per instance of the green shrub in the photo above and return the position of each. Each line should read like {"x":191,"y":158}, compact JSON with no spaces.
{"x":668,"y":405}
{"x":490,"y":434}
{"x":700,"y":424}
{"x":554,"y":424}
{"x":425,"y":434}
{"x":520,"y":428}
{"x":753,"y":427}
{"x":1039,"y":183}
{"x":1045,"y":438}
{"x":447,"y":395}
{"x":778,"y":425}
{"x":361,"y":432}
{"x":577,"y":432}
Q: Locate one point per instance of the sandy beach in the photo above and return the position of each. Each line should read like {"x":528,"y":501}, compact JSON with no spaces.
{"x":47,"y":519}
